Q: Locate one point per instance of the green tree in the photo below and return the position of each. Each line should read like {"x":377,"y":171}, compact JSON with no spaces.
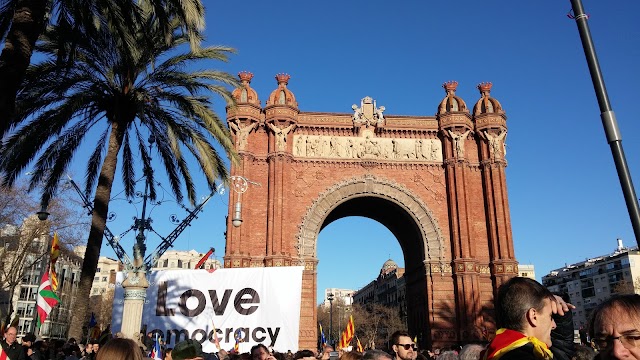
{"x":22,"y":22}
{"x":123,"y":88}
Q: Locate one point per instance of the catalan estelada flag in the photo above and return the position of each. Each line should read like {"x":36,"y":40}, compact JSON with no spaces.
{"x":347,"y":335}
{"x":55,"y":254}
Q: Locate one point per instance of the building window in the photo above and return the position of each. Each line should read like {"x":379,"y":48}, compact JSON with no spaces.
{"x":104,"y":278}
{"x":98,"y":270}
{"x":180,"y":264}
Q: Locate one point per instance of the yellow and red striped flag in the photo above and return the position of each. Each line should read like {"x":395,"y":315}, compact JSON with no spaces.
{"x":55,"y":253}
{"x":347,"y":335}
{"x":359,"y":345}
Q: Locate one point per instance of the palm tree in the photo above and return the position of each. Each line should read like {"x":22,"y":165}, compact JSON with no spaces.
{"x":124,"y":88}
{"x":23,"y":21}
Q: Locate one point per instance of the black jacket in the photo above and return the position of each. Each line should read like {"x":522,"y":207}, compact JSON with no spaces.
{"x":14,"y":351}
{"x":563,"y":347}
{"x":522,"y":353}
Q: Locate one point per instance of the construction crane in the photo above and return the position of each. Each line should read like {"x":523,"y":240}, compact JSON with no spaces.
{"x":111,"y":239}
{"x":152,"y":259}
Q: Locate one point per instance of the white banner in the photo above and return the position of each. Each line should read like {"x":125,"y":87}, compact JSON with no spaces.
{"x":258,"y":305}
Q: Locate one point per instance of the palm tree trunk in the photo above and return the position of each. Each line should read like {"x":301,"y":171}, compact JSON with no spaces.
{"x":28,"y":23}
{"x":98,"y":223}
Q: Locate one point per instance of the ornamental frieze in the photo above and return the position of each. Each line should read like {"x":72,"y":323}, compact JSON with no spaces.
{"x":455,"y":120}
{"x":244,"y":110}
{"x":280,"y":111}
{"x":486,"y":121}
{"x":367,"y":147}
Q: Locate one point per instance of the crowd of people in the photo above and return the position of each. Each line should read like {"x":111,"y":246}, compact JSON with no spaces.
{"x":534,"y":324}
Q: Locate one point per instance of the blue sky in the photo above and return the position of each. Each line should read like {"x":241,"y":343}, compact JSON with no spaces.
{"x":565,"y":197}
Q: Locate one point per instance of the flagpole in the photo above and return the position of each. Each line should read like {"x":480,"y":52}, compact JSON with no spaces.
{"x":34,"y":319}
{"x":608,"y":118}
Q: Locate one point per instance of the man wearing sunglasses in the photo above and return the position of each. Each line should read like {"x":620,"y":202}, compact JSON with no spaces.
{"x":403,"y":346}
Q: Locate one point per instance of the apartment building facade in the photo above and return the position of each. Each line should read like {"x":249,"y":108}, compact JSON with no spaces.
{"x":594,"y":280}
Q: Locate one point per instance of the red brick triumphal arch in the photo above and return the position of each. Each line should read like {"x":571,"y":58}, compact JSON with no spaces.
{"x":436,"y":182}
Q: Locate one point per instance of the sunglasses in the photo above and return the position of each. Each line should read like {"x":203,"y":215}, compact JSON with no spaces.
{"x":408,"y":346}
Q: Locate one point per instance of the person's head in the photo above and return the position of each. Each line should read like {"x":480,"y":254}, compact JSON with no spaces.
{"x":583,"y":352}
{"x":119,"y":349}
{"x":303,"y":355}
{"x":375,"y":354}
{"x":524,"y":305}
{"x":167,"y":354}
{"x":10,"y":335}
{"x":28,"y":339}
{"x":187,"y":350}
{"x":470,"y":352}
{"x":325,"y":355}
{"x":96,"y":347}
{"x":615,"y":327}
{"x":259,"y":352}
{"x":351,"y":355}
{"x":448,"y":355}
{"x":403,"y":346}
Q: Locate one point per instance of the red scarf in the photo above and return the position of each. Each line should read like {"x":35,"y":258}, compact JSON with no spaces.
{"x":507,"y":340}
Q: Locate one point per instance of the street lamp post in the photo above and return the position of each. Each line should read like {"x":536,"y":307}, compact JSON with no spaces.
{"x":135,"y":284}
{"x":330,"y":297}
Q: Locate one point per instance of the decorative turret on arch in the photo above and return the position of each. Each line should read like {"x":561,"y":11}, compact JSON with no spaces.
{"x":281,"y":114}
{"x":452,"y":102}
{"x":491,"y":125}
{"x":245,"y":94}
{"x":282,"y":95}
{"x":244,"y":117}
{"x":486,"y":104}
{"x":454,"y":121}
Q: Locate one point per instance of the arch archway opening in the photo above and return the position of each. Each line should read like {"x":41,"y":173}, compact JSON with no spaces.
{"x":390,"y":290}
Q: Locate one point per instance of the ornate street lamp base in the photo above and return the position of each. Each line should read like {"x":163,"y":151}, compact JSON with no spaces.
{"x":135,"y":292}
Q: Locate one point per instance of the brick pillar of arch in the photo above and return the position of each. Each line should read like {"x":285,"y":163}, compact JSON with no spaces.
{"x":439,"y":287}
{"x":460,"y":194}
{"x":493,"y":163}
